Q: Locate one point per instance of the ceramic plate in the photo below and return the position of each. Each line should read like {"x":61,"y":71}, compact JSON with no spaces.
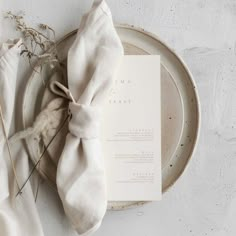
{"x":179,"y":99}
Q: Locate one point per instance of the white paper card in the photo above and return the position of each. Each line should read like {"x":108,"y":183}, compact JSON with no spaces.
{"x":131,"y":131}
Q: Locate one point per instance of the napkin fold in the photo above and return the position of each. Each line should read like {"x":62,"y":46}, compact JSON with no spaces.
{"x":18,"y":215}
{"x":92,"y":62}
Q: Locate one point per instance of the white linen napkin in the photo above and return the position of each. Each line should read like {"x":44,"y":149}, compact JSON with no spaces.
{"x":92,"y":61}
{"x":18,"y":215}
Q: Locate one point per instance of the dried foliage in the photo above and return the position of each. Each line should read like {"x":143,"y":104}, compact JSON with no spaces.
{"x":37,"y":43}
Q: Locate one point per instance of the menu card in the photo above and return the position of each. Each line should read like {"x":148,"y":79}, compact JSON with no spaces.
{"x":131,"y":131}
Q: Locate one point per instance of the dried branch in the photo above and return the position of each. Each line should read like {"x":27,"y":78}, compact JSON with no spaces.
{"x":37,"y":44}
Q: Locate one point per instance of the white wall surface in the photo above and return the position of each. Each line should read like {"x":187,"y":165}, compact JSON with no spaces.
{"x":203,"y":32}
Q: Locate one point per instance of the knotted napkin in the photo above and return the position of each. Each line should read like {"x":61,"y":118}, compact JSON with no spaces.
{"x":92,"y":62}
{"x":18,"y":215}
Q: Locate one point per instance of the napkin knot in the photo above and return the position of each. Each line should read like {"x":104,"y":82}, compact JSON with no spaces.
{"x":85,"y":121}
{"x":85,"y":118}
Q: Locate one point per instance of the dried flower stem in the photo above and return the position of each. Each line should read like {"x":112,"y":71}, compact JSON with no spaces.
{"x":8,"y":148}
{"x":41,"y":156}
{"x":37,"y":189}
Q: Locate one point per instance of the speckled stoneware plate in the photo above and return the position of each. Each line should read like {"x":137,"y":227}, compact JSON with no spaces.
{"x":179,"y":99}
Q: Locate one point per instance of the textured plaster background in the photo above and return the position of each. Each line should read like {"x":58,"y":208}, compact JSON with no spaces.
{"x":203,"y":32}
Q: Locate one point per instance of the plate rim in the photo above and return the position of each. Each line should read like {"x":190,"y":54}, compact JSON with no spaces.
{"x":195,"y":91}
{"x":198,"y":105}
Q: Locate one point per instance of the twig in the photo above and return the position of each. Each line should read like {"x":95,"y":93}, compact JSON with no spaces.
{"x":8,"y":148}
{"x":40,"y":158}
{"x":37,"y":190}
